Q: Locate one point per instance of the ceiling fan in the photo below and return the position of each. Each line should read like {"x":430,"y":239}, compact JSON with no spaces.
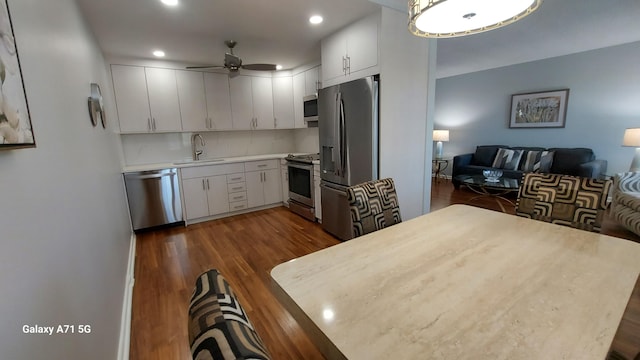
{"x":233,"y":63}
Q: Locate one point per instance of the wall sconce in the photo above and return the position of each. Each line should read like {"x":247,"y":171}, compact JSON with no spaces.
{"x":440,"y":136}
{"x":632,"y":138}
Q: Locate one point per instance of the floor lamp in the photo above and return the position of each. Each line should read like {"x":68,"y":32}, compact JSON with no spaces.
{"x":440,"y":136}
{"x":632,"y":138}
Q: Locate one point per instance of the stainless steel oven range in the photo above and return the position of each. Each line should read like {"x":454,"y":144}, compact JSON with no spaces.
{"x":301,"y":184}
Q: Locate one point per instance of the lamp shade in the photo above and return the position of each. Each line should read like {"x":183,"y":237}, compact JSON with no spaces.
{"x":451,"y":18}
{"x":440,"y":135}
{"x":631,"y":137}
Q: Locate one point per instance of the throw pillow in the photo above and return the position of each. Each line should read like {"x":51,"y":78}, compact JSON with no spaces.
{"x":507,"y":159}
{"x":537,"y":161}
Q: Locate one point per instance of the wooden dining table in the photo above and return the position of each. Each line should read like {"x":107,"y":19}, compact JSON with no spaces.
{"x":463,"y":283}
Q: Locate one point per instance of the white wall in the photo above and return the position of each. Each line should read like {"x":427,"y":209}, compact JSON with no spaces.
{"x":307,"y":140}
{"x":65,"y":229}
{"x":604,"y":99}
{"x":405,"y":68}
{"x":162,"y":148}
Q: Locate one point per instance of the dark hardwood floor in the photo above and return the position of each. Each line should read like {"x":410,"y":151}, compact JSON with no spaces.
{"x":245,"y":248}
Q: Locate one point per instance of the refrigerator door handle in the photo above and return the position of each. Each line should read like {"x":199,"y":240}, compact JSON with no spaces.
{"x":338,"y":116}
{"x":343,"y":139}
{"x":342,"y":190}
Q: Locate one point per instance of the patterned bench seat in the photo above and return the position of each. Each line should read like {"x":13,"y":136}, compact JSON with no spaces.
{"x":218,"y":325}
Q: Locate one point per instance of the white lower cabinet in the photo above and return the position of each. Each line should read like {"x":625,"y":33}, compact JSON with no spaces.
{"x":264,"y":186}
{"x":206,"y":189}
{"x":284,"y":172}
{"x":195,"y":198}
{"x":214,"y":190}
{"x":205,"y":196}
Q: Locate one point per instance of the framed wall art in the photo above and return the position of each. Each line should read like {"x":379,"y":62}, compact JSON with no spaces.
{"x":15,"y":121}
{"x":546,"y":109}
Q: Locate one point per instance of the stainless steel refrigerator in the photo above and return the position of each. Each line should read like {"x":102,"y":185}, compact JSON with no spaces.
{"x":348,"y":128}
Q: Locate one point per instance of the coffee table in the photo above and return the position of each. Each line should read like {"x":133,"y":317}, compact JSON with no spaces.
{"x":495,"y":190}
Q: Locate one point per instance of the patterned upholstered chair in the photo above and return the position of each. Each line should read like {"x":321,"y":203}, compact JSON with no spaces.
{"x":219,"y":329}
{"x":563,"y":199}
{"x":625,"y":205}
{"x":373,"y":206}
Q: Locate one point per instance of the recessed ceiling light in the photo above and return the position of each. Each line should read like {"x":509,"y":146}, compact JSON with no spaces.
{"x":158,"y":53}
{"x":316,"y":19}
{"x":278,"y":67}
{"x":170,"y":2}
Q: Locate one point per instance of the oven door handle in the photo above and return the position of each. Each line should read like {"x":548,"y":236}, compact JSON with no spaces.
{"x":300,"y":165}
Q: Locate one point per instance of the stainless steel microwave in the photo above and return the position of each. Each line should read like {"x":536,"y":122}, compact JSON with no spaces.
{"x":310,"y":108}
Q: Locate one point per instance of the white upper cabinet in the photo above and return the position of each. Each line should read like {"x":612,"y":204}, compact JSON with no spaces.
{"x":146,"y":98}
{"x":163,"y":99}
{"x":283,"y":102}
{"x":251,"y":102}
{"x":130,"y":87}
{"x":241,"y":102}
{"x":334,"y":56}
{"x":351,"y":52}
{"x":262,"y":92}
{"x":193,"y":107}
{"x":298,"y":94}
{"x":166,"y":100}
{"x":311,"y":81}
{"x":218,"y":101}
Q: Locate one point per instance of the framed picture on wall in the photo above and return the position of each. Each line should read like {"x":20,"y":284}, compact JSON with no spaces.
{"x":15,"y":121}
{"x":539,"y":110}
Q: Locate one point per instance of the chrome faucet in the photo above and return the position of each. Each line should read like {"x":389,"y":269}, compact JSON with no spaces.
{"x":196,"y":153}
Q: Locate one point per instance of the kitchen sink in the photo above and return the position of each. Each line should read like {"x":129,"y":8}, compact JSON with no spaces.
{"x":203,"y":161}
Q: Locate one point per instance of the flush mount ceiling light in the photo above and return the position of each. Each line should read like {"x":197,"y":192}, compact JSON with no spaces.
{"x":278,"y":67}
{"x":170,"y":2}
{"x":452,"y":18}
{"x":316,"y":19}
{"x":158,"y":53}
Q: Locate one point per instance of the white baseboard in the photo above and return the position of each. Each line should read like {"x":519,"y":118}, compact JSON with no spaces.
{"x":125,"y":321}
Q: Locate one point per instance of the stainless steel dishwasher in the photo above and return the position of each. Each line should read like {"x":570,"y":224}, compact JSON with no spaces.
{"x":154,"y":198}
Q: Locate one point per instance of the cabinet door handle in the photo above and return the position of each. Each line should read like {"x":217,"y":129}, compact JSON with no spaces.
{"x":153,"y":123}
{"x":348,"y":64}
{"x":265,"y":176}
{"x":149,"y":124}
{"x":237,"y":197}
{"x":208,"y":188}
{"x":237,"y":188}
{"x":275,"y":122}
{"x":203,"y":188}
{"x":344,"y":65}
{"x":262,"y":165}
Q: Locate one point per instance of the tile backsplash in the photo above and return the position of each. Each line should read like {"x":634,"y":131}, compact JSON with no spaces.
{"x":141,"y":149}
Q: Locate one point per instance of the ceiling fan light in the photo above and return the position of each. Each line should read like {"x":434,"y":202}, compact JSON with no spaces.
{"x":452,"y":18}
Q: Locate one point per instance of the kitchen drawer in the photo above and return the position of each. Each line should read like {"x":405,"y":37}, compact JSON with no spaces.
{"x":211,"y":170}
{"x":261,"y":165}
{"x":237,"y":187}
{"x":238,"y":205}
{"x":239,"y":196}
{"x":234,"y":178}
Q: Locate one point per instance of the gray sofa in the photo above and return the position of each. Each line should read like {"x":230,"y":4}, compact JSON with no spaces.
{"x":568,"y":161}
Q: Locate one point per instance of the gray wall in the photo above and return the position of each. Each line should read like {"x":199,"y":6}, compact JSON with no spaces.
{"x":604,"y":99}
{"x":65,"y":230}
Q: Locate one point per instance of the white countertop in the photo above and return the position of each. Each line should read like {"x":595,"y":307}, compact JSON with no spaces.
{"x":203,"y":162}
